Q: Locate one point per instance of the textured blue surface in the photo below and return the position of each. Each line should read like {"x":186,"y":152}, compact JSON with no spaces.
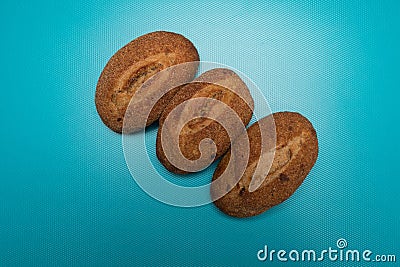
{"x":66,"y":195}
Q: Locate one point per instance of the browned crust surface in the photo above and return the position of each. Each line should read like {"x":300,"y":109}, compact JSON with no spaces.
{"x":280,"y":184}
{"x":222,"y":79}
{"x":149,"y":54}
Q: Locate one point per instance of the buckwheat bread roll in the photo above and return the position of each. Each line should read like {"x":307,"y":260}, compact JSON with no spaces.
{"x":219,"y":84}
{"x":133,"y":65}
{"x":296,"y":151}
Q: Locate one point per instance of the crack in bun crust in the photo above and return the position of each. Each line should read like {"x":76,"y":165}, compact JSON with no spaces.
{"x":219,"y":84}
{"x":135,"y":63}
{"x":296,"y":151}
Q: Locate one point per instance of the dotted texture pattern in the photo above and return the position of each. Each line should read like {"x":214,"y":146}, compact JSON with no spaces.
{"x":66,"y":195}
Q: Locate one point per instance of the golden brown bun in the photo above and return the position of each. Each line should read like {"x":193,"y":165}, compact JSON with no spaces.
{"x":296,"y":151}
{"x":212,"y":84}
{"x":135,"y":63}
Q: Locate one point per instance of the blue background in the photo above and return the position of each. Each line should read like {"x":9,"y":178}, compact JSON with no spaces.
{"x":66,"y":195}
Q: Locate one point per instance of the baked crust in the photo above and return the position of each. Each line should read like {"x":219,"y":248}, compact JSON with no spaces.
{"x":135,"y":63}
{"x":296,"y":151}
{"x":211,"y":84}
